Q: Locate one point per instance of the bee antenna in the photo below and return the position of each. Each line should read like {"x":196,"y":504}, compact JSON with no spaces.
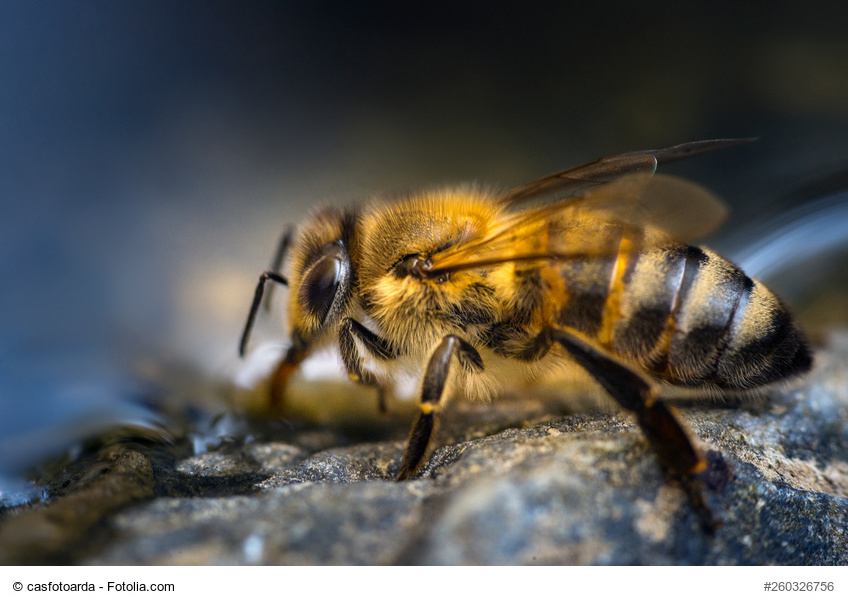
{"x":254,"y":307}
{"x":277,"y":261}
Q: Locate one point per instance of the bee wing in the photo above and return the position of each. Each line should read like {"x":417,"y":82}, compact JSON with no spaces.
{"x":579,"y":179}
{"x":682,"y":209}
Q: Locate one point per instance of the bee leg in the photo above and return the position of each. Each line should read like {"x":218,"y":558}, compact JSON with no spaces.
{"x":350,"y":331}
{"x":382,"y":407}
{"x":285,"y":369}
{"x":664,"y":432}
{"x":369,"y":380}
{"x":417,"y":443}
{"x":435,"y":379}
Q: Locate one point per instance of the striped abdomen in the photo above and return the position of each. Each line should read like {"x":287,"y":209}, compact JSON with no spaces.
{"x":685,"y":314}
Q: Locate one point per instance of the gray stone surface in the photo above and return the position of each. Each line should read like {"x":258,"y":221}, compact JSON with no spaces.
{"x":548,"y":489}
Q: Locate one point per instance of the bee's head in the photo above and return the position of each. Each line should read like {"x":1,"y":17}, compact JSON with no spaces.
{"x":320,"y":278}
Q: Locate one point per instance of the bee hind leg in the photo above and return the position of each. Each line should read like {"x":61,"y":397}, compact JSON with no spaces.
{"x":432,"y":391}
{"x":664,"y":432}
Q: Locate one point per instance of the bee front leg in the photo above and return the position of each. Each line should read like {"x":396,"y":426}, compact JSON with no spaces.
{"x":284,"y":371}
{"x":435,"y":379}
{"x":350,"y":331}
{"x":664,"y":432}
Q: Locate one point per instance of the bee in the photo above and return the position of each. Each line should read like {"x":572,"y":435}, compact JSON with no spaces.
{"x":587,"y":266}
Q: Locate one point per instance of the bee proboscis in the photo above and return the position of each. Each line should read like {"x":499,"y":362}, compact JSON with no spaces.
{"x":589,"y":265}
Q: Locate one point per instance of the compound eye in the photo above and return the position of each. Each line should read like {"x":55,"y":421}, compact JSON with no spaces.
{"x":320,"y":285}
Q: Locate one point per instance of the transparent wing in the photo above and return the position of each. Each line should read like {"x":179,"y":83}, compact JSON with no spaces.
{"x":579,"y":227}
{"x":605,"y":170}
{"x":684,"y":210}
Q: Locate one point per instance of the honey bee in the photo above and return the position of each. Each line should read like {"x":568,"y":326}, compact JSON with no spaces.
{"x":587,"y":266}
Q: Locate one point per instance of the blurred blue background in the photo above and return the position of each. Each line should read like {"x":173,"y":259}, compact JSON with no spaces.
{"x":151,"y":152}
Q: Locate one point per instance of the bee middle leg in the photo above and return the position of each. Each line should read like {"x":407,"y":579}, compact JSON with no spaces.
{"x":435,"y":379}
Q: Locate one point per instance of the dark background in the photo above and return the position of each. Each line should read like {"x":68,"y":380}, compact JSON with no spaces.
{"x":151,"y":152}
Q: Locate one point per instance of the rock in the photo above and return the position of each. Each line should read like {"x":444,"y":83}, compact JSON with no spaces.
{"x":576,"y":489}
{"x":59,"y":531}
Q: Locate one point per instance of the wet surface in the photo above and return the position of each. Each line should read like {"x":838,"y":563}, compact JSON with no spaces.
{"x":582,"y":488}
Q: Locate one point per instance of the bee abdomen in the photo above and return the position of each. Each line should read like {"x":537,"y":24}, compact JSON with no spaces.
{"x":763,"y":343}
{"x":693,"y":318}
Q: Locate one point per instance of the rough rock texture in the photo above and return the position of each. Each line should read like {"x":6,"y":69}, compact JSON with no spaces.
{"x":551,"y":489}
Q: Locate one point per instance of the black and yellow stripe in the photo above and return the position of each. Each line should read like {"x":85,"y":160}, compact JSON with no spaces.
{"x":683,"y":313}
